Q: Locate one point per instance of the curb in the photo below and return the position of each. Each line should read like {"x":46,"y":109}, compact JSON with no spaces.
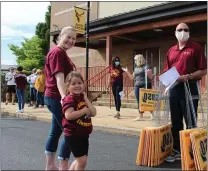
{"x":102,"y":128}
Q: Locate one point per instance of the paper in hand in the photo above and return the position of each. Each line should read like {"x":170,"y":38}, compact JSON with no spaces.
{"x":122,"y":94}
{"x":169,"y":78}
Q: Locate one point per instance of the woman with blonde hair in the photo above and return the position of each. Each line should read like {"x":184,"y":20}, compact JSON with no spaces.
{"x":139,"y":79}
{"x":57,"y":66}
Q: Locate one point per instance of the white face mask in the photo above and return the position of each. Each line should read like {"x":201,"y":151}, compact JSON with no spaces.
{"x":182,"y":36}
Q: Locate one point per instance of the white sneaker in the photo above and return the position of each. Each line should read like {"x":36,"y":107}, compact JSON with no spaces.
{"x":151,"y":117}
{"x":18,"y":111}
{"x":138,"y":118}
{"x":22,"y":110}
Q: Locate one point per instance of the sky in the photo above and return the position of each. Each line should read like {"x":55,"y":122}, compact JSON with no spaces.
{"x":19,"y":19}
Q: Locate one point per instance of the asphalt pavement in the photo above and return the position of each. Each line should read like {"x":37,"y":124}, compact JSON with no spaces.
{"x":23,"y":142}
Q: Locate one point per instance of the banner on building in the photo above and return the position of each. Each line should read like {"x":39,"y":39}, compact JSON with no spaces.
{"x":147,"y":99}
{"x":79,"y":20}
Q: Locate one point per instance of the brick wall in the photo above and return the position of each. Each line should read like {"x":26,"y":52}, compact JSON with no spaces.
{"x":125,"y":52}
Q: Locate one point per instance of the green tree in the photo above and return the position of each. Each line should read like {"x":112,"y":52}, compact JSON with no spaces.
{"x":32,"y":51}
{"x":30,"y":55}
{"x":43,"y":30}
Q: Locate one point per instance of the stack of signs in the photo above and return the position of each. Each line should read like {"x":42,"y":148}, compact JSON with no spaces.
{"x":199,"y":145}
{"x":147,"y":100}
{"x":193,"y":144}
{"x":154,"y":146}
{"x":187,"y":158}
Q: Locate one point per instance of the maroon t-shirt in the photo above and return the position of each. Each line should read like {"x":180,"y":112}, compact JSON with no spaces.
{"x":187,"y":60}
{"x":20,"y":80}
{"x":81,"y":126}
{"x":56,"y":61}
{"x":116,"y":75}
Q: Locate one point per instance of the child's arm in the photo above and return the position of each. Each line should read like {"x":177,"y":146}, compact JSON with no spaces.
{"x":70,"y":114}
{"x":92,"y":109}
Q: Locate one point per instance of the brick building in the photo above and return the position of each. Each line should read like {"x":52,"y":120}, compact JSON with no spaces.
{"x":126,"y":28}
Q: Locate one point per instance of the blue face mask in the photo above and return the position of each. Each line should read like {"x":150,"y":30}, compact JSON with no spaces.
{"x":117,"y":63}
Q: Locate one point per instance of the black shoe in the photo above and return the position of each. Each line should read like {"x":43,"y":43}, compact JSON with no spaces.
{"x":176,"y":155}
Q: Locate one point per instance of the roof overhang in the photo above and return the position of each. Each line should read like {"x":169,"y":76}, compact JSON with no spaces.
{"x":153,"y":13}
{"x":161,"y":12}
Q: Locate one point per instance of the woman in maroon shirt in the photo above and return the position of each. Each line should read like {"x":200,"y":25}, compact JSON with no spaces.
{"x":116,"y":81}
{"x":57,"y":66}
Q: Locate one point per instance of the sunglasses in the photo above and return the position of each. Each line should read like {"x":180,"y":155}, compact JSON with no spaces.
{"x":185,"y":29}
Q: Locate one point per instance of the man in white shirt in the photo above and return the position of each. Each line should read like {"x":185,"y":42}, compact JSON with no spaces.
{"x":11,"y":86}
{"x":31,"y":80}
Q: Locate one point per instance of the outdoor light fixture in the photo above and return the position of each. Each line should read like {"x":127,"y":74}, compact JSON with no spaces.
{"x":158,"y":30}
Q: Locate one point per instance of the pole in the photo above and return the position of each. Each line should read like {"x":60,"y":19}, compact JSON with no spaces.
{"x":87,"y":44}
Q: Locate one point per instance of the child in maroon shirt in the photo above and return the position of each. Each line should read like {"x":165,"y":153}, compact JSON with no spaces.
{"x":77,"y":124}
{"x":21,"y":82}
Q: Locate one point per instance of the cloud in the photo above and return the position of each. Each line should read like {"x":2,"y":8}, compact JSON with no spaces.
{"x":8,"y":32}
{"x":9,"y":61}
{"x":6,"y":38}
{"x":23,"y":13}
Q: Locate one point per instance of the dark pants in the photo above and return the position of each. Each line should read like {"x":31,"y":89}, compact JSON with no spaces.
{"x":178,"y":110}
{"x":117,"y":88}
{"x":21,"y":98}
{"x":137,"y":90}
{"x":54,"y":106}
{"x":32,"y":94}
{"x":40,"y":98}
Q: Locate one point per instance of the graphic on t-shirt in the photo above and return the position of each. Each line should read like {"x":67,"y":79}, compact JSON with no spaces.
{"x":84,"y":120}
{"x":115,"y":73}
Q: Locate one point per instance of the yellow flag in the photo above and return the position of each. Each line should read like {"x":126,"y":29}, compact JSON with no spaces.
{"x":79,"y":20}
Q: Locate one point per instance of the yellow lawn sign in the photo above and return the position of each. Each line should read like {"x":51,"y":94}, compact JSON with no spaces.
{"x":154,"y":146}
{"x":79,"y":20}
{"x":193,"y":144}
{"x":147,"y":100}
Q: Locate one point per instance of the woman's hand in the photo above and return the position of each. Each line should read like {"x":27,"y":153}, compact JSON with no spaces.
{"x":125,"y":69}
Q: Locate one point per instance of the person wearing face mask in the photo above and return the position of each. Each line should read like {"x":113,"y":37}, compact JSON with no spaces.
{"x":57,"y":66}
{"x":189,"y":59}
{"x":139,"y":79}
{"x":116,"y":81}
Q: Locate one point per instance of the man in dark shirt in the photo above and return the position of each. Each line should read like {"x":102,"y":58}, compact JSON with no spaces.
{"x":188,"y":58}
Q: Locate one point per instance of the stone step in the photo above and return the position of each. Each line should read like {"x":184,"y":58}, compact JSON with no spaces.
{"x":123,"y":105}
{"x":132,"y":105}
{"x":112,"y":99}
{"x":108,"y":96}
{"x":133,"y":100}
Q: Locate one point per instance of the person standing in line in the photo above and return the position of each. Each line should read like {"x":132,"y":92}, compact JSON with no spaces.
{"x":9,"y":77}
{"x":57,"y":66}
{"x":40,"y":88}
{"x":77,"y":124}
{"x":21,"y":82}
{"x":189,"y":60}
{"x":139,"y":79}
{"x":31,"y":80}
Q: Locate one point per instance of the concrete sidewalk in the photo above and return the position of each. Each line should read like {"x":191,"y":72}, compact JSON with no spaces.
{"x":104,"y":121}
